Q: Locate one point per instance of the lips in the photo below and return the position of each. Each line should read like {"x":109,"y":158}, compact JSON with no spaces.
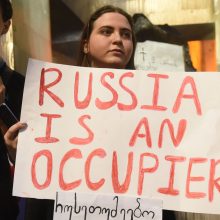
{"x":117,"y":51}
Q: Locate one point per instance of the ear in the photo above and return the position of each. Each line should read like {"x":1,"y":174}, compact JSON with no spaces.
{"x":85,"y":47}
{"x":6,"y":27}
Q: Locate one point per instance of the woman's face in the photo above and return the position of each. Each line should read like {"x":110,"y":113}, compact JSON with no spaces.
{"x":110,"y":44}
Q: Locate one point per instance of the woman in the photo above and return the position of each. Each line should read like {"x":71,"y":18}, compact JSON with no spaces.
{"x":108,"y":41}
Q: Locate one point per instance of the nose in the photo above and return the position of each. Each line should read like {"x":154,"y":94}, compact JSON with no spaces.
{"x":117,"y":37}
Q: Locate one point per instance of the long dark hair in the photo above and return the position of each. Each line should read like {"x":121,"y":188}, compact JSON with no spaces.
{"x":89,"y":27}
{"x":6,"y":10}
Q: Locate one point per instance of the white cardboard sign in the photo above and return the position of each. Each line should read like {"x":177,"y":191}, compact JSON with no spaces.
{"x":81,"y":206}
{"x":157,"y":56}
{"x":123,"y":132}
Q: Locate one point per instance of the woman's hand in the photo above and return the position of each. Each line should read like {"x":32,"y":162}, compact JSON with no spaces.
{"x":11,"y":138}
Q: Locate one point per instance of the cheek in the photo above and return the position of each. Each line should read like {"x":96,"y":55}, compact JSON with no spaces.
{"x":129,"y":48}
{"x":98,"y":47}
{"x":96,"y":43}
{"x":95,"y":50}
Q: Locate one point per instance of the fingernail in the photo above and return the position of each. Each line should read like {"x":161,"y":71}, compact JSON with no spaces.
{"x":24,"y":124}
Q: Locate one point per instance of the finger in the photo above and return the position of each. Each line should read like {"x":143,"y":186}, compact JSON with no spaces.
{"x":13,"y":130}
{"x":14,"y":145}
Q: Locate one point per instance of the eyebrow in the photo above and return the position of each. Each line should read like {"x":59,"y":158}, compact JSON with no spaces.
{"x":108,"y":26}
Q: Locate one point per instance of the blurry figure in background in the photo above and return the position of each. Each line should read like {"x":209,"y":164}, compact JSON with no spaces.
{"x":11,"y":90}
{"x":145,"y":30}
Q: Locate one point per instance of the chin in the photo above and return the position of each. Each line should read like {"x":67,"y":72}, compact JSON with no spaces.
{"x":117,"y":64}
{"x":114,"y":64}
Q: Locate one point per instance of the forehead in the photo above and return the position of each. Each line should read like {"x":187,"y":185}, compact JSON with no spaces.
{"x":113,"y":19}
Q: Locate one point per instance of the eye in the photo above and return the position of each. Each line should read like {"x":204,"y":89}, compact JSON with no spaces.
{"x":126,"y":34}
{"x":106,"y":31}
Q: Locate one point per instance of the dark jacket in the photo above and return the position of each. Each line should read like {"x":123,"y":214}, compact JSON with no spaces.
{"x":14,"y":83}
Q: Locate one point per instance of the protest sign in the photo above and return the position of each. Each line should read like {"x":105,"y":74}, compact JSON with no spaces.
{"x":158,"y":56}
{"x":121,"y":131}
{"x":80,"y":206}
